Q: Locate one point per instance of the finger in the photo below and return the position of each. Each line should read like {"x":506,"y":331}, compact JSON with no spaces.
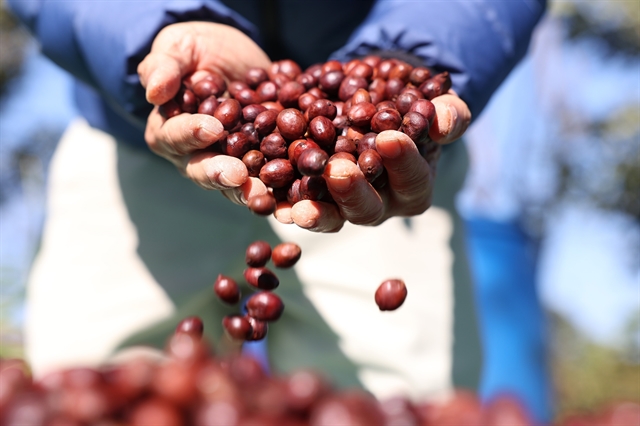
{"x":317,"y":216}
{"x":240,"y":195}
{"x":212,"y":170}
{"x":409,"y":174}
{"x":161,"y":74}
{"x":283,"y":212}
{"x":185,"y":133}
{"x":359,"y":203}
{"x":452,"y":119}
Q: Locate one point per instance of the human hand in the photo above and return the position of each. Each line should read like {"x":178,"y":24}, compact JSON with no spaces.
{"x":189,"y":52}
{"x":411,"y":173}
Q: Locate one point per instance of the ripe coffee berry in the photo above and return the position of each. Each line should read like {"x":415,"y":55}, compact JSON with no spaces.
{"x":265,"y":306}
{"x":261,"y":277}
{"x":390,"y":295}
{"x":237,"y":327}
{"x":285,"y":255}
{"x":262,"y":205}
{"x":259,"y":329}
{"x":227,"y":289}
{"x":191,"y":325}
{"x":312,"y":162}
{"x":258,"y":253}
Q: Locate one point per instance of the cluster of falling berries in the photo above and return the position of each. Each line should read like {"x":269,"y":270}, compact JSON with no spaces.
{"x":264,"y":306}
{"x":286,"y":124}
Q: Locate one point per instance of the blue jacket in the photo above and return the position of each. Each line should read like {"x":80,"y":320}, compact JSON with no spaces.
{"x":102,"y":42}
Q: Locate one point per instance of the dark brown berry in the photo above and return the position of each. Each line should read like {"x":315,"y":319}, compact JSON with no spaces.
{"x":274,"y":146}
{"x":277,"y":173}
{"x":312,"y":162}
{"x":254,"y":160}
{"x":291,"y":123}
{"x":229,"y":113}
{"x":285,"y":255}
{"x":321,"y":130}
{"x":387,"y":119}
{"x":265,"y":122}
{"x":361,"y":114}
{"x":259,"y":329}
{"x":191,"y":325}
{"x":227,"y":289}
{"x":208,"y":106}
{"x":262,"y":205}
{"x":258,"y":253}
{"x":261,"y":277}
{"x":265,"y":306}
{"x":254,"y":76}
{"x":237,"y":327}
{"x":391,"y":295}
{"x":370,"y":163}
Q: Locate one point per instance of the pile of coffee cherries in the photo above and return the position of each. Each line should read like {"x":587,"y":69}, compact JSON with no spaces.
{"x":264,"y":306}
{"x":192,"y":386}
{"x":286,"y":124}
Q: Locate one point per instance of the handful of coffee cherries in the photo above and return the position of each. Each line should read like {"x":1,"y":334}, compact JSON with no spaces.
{"x":286,"y":124}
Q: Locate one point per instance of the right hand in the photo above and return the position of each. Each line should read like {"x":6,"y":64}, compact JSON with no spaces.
{"x":189,"y":52}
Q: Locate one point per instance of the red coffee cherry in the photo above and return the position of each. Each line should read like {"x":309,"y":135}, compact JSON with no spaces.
{"x":206,"y":88}
{"x":228,"y":113}
{"x":414,"y":125}
{"x":293,"y":193}
{"x":208,"y":106}
{"x":312,"y":188}
{"x":401,"y":71}
{"x":227,"y":289}
{"x":344,"y":145}
{"x":259,"y":329}
{"x":370,"y":163}
{"x":262,"y":205}
{"x":238,"y":144}
{"x":187,"y":100}
{"x":384,"y":67}
{"x":330,"y":82}
{"x":361,"y":114}
{"x":297,"y":147}
{"x":288,"y":68}
{"x":343,"y":156}
{"x":265,"y":122}
{"x":391,"y":295}
{"x":247,"y":97}
{"x":307,"y":80}
{"x":265,"y":306}
{"x":236,"y":86}
{"x":254,"y":160}
{"x":404,"y":102}
{"x":425,"y":108}
{"x":254,"y":76}
{"x":393,"y":88}
{"x":267,"y":91}
{"x":285,"y":255}
{"x":361,"y":95}
{"x":273,"y":146}
{"x":419,"y":75}
{"x":324,"y":108}
{"x":387,"y":119}
{"x":368,"y":141}
{"x":312,"y":162}
{"x":349,"y":86}
{"x":191,"y":325}
{"x":258,"y":253}
{"x":250,"y":112}
{"x":261,"y":277}
{"x":277,"y":173}
{"x":291,"y":124}
{"x":250,"y":131}
{"x":237,"y":327}
{"x":322,"y":131}
{"x":289,"y":94}
{"x":305,"y":100}
{"x":170,"y":109}
{"x":437,"y":85}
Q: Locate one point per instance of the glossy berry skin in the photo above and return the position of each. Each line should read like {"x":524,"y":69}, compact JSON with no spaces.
{"x":259,"y":329}
{"x":262,"y":205}
{"x":312,"y":162}
{"x":258,"y":253}
{"x":227,"y":289}
{"x":370,"y":163}
{"x":191,"y":325}
{"x":277,"y":173}
{"x":265,"y":306}
{"x":261,"y":277}
{"x":391,"y":295}
{"x":237,"y":327}
{"x":285,"y":255}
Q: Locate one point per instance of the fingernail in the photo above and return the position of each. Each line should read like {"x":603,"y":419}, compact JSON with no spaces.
{"x":389,"y":148}
{"x":340,"y":183}
{"x":227,"y":181}
{"x":209,"y":131}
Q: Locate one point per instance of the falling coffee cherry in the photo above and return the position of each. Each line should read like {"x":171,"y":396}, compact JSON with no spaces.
{"x":237,"y":327}
{"x":191,"y":325}
{"x":390,"y":295}
{"x":265,"y":306}
{"x":227,"y":289}
{"x":261,"y":278}
{"x":258,"y":253}
{"x":285,"y":255}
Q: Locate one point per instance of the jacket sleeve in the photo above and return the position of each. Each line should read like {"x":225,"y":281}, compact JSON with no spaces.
{"x":478,"y":42}
{"x":102,"y":42}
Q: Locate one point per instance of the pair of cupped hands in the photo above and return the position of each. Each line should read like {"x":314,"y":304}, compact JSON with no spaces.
{"x":189,"y":51}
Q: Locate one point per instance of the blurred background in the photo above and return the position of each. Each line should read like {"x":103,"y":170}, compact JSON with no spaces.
{"x":555,"y":154}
